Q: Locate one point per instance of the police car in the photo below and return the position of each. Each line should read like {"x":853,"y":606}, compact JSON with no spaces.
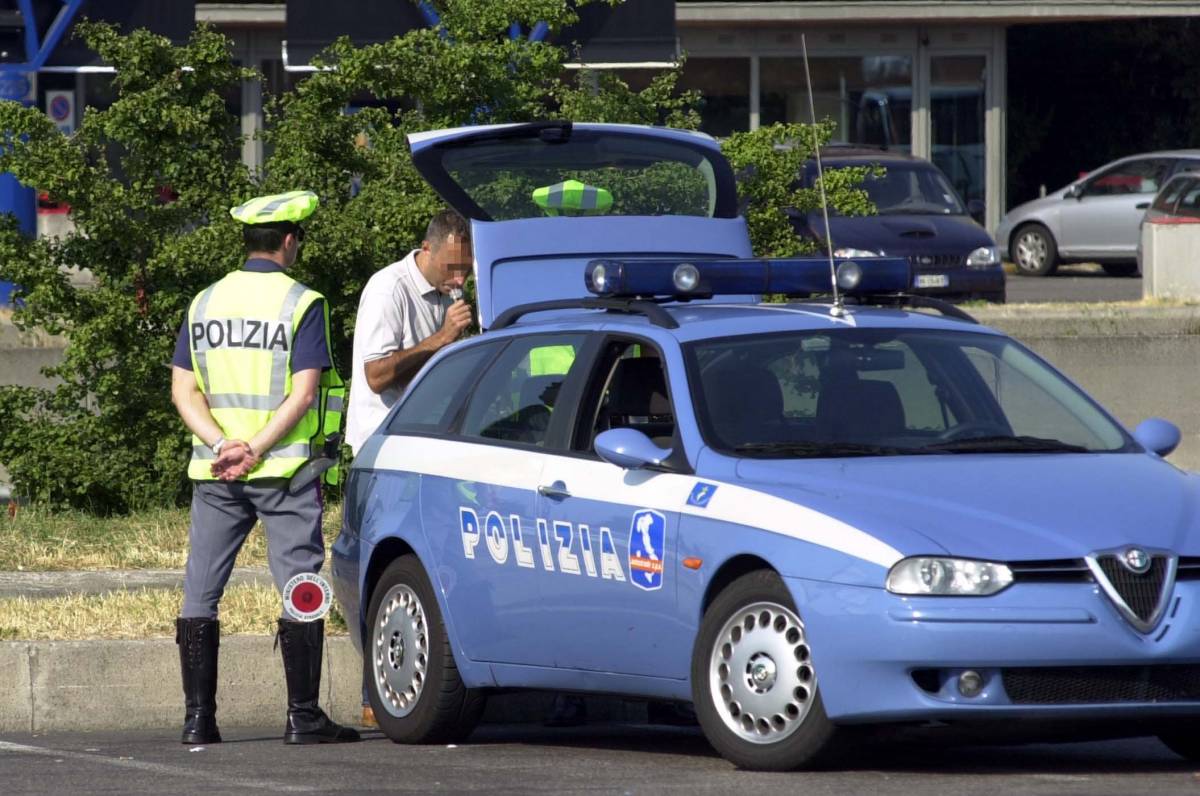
{"x":801,"y":517}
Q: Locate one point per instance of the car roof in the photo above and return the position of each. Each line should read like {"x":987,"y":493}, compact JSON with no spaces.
{"x":700,"y":321}
{"x":850,"y":155}
{"x":1172,"y":153}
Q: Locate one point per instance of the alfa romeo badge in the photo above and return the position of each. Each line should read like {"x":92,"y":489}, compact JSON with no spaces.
{"x":307,"y":597}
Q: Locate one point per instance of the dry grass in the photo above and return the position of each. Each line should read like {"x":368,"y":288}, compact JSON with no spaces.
{"x":36,"y":539}
{"x":146,"y":613}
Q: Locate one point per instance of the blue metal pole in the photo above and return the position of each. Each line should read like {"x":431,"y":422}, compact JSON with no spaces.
{"x":16,"y":86}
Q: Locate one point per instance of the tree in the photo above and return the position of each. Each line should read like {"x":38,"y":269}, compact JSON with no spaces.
{"x":150,"y":181}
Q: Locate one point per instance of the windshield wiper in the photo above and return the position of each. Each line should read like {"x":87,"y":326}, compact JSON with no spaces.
{"x":1005,"y":444}
{"x":819,"y":450}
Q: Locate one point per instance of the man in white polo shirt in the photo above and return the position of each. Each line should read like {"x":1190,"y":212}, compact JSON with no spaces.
{"x":405,"y":315}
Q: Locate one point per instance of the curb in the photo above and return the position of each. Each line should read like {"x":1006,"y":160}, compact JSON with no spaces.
{"x":80,"y":686}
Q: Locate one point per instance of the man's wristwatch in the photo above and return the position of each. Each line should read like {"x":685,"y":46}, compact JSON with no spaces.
{"x":216,"y":446}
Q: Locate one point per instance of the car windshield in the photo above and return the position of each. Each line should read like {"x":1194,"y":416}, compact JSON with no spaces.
{"x":912,"y":190}
{"x":887,"y":392}
{"x":584,"y":173}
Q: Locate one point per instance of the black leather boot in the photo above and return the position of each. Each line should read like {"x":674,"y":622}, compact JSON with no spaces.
{"x":198,"y":641}
{"x":302,"y":644}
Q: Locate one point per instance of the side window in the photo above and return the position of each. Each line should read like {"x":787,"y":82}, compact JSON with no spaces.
{"x":1135,"y":177}
{"x":895,"y":364}
{"x":516,"y":397}
{"x":629,"y":390}
{"x":432,"y":401}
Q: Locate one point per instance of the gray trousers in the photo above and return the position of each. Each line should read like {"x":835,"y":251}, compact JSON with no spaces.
{"x":222,"y":516}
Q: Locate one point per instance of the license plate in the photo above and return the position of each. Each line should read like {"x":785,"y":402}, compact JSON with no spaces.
{"x":932,"y":280}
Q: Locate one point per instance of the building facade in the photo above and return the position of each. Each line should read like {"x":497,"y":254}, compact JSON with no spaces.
{"x":923,"y":76}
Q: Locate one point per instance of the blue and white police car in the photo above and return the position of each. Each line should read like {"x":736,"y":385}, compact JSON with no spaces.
{"x":800,"y":517}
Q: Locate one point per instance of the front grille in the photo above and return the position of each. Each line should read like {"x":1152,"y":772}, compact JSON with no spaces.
{"x":1057,"y":570}
{"x":1189,"y":568}
{"x":1141,"y":593}
{"x":936,"y":262}
{"x":1091,"y":685}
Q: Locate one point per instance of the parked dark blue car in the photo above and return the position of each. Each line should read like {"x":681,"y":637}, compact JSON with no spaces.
{"x":920,"y":217}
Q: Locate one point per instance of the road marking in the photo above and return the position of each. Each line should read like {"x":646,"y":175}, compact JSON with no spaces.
{"x":159,"y":768}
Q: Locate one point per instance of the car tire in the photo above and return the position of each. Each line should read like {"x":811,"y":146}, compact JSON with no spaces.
{"x":752,"y":652}
{"x":1034,"y":251}
{"x":1120,"y":269}
{"x":414,"y":685}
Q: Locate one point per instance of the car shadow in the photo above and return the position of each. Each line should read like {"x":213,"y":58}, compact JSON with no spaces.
{"x":942,"y":752}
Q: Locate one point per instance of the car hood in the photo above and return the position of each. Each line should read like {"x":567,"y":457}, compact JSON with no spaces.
{"x":1006,"y":507}
{"x":903,"y":235}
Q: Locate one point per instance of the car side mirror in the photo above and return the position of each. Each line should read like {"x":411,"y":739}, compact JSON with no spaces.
{"x":629,"y":448}
{"x":1074,"y":192}
{"x":1158,"y":435}
{"x":975,"y":208}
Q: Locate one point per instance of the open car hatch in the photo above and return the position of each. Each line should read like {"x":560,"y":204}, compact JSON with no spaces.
{"x":546,"y":198}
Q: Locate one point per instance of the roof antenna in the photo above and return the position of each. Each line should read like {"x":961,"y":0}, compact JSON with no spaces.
{"x":837,"y":310}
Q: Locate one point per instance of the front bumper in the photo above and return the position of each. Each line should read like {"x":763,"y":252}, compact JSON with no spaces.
{"x":965,"y":283}
{"x":880,"y":657}
{"x":1002,"y":236}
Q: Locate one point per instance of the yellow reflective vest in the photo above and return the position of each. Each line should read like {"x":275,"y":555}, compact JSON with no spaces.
{"x":241,"y":331}
{"x":551,"y":360}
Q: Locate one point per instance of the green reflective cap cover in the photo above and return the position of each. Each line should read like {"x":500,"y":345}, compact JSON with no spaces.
{"x":292,"y":206}
{"x":572,"y":197}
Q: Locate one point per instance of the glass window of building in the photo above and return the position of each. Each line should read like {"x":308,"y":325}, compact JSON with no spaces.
{"x":870,"y":98}
{"x":724,"y":86}
{"x":956,"y":98}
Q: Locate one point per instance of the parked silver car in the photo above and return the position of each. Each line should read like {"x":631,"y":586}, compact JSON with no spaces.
{"x":1094,"y":219}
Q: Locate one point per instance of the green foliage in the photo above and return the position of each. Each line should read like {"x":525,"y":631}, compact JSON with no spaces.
{"x":108,"y":438}
{"x":767,"y":162}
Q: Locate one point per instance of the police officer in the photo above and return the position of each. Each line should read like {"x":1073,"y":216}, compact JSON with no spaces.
{"x":253,"y":379}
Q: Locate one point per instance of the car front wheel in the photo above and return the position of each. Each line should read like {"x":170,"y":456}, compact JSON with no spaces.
{"x":753,"y":681}
{"x":415,"y":689}
{"x":1034,"y":251}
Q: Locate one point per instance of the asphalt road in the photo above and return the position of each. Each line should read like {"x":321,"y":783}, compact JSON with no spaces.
{"x":1074,"y":283}
{"x":612,"y":758}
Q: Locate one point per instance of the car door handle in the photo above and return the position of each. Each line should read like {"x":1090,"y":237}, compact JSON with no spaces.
{"x":1141,"y":205}
{"x":555,"y":491}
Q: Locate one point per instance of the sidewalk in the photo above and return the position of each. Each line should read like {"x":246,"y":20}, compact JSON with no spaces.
{"x":60,"y":686}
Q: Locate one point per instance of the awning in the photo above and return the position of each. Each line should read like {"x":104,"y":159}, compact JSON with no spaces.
{"x":313,"y":25}
{"x":637,"y":33}
{"x":174,"y":19}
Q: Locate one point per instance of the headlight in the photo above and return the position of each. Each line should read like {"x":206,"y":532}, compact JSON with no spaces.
{"x":983,"y":257}
{"x":856,"y":253}
{"x":951,"y":577}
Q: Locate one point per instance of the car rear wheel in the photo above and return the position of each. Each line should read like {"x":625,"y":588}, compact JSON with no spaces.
{"x":1120,"y":269}
{"x":415,"y":689}
{"x":753,"y":681}
{"x":1034,"y":251}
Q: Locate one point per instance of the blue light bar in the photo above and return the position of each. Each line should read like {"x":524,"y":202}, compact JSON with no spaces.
{"x":799,"y":276}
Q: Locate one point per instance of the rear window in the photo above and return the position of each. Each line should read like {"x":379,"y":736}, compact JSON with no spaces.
{"x":1169,"y":195}
{"x":584,"y":172}
{"x":1189,"y":200}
